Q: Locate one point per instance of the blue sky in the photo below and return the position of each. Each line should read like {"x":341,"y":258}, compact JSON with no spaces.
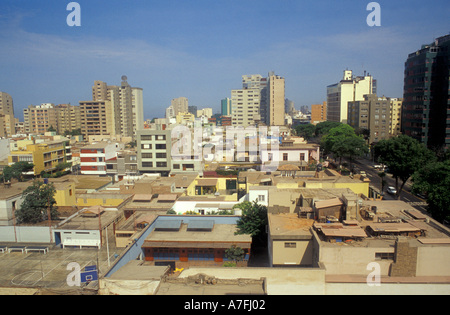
{"x":200,"y":48}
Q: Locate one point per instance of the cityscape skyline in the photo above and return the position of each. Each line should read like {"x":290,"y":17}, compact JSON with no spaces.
{"x":181,"y":49}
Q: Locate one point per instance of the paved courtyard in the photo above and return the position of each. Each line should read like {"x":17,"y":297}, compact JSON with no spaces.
{"x":49,"y":270}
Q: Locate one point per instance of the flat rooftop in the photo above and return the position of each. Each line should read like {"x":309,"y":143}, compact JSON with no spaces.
{"x":220,"y":233}
{"x":289,"y":226}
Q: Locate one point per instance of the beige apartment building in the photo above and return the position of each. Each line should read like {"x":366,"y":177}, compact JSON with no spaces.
{"x":276,"y":99}
{"x":396,"y":116}
{"x":7,"y":122}
{"x":318,"y":113}
{"x":349,"y":89}
{"x":97,"y":118}
{"x":374,"y":113}
{"x":127,"y":105}
{"x":245,"y":106}
{"x":38,"y":119}
{"x":180,"y":105}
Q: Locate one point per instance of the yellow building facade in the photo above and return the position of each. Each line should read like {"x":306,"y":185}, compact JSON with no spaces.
{"x":45,"y":156}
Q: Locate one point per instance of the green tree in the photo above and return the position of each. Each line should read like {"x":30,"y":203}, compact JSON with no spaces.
{"x":38,"y":200}
{"x":342,"y":141}
{"x":235,"y":253}
{"x":335,"y":135}
{"x":306,"y":131}
{"x":324,"y":127}
{"x":434,"y":180}
{"x":16,"y":171}
{"x":403,"y":156}
{"x":253,"y":220}
{"x":75,"y":132}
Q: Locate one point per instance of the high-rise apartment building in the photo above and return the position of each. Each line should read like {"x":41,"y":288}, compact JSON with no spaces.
{"x":257,"y":81}
{"x":289,"y":107}
{"x":225,"y":107}
{"x":318,"y":113}
{"x":349,"y":89}
{"x":154,"y":151}
{"x":396,"y":116}
{"x":374,"y":114}
{"x":180,"y":105}
{"x":245,"y":106}
{"x":39,"y":119}
{"x":193,"y":110}
{"x":97,"y":118}
{"x":275,"y":99}
{"x":7,"y":121}
{"x":127,"y":105}
{"x":426,"y":94}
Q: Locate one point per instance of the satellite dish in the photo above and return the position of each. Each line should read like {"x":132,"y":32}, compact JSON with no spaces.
{"x":124,"y":78}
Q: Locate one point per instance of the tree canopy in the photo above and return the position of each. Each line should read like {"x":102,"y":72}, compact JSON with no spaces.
{"x":38,"y":200}
{"x":342,"y":141}
{"x":306,"y":131}
{"x":16,"y":171}
{"x":434,"y":181}
{"x":235,"y":253}
{"x":403,"y":156}
{"x":253,"y":220}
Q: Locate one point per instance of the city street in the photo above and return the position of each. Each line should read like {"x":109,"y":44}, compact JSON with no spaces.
{"x":406,"y":195}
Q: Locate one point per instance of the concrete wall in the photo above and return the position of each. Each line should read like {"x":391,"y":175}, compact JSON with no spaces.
{"x":433,"y":260}
{"x":25,"y":234}
{"x":128,"y":287}
{"x":280,"y":281}
{"x":311,"y":281}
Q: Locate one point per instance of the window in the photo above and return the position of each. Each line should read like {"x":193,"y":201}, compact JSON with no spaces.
{"x":261,"y":198}
{"x":160,"y":146}
{"x":161,"y":155}
{"x":146,"y":137}
{"x":161,"y":164}
{"x":161,"y":137}
{"x":146,"y":146}
{"x":285,"y":156}
{"x":290,"y":245}
{"x":147,"y":155}
{"x":384,"y":256}
{"x":147,"y":164}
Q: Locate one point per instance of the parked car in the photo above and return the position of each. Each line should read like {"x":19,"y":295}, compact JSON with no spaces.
{"x":363,"y":173}
{"x":391,"y":190}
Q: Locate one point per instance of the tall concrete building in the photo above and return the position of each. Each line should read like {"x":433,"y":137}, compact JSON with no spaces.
{"x":245,"y":106}
{"x":374,"y":114}
{"x":289,"y":107}
{"x":396,"y":116}
{"x":127,"y":105}
{"x":426,"y":94}
{"x":225,"y":107}
{"x":275,"y":99}
{"x":180,"y":105}
{"x":349,"y":89}
{"x":154,"y":151}
{"x":38,"y":119}
{"x":7,"y":121}
{"x":318,"y":113}
{"x":257,"y":81}
{"x":96,"y":118}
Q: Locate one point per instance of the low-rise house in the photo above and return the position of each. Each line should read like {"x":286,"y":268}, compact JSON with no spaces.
{"x":194,"y":241}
